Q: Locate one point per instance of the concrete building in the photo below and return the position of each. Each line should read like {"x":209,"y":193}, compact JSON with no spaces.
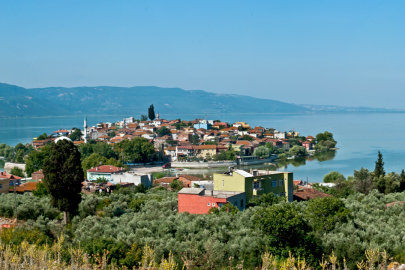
{"x":133,"y":178}
{"x":255,"y":183}
{"x":200,"y":200}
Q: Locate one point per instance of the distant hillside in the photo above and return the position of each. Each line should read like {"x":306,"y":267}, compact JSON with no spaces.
{"x":107,"y":100}
{"x":57,"y":101}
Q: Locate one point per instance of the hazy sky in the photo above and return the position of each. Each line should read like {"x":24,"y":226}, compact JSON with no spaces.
{"x":348,"y":53}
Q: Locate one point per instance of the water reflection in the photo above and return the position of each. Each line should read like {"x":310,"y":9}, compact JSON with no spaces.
{"x":300,"y":161}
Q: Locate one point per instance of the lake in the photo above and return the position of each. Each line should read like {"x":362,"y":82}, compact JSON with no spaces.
{"x":359,"y":136}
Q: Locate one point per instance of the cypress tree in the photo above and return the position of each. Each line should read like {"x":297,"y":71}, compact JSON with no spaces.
{"x":402,"y":183}
{"x":151,"y":113}
{"x":379,"y":166}
{"x":63,"y":177}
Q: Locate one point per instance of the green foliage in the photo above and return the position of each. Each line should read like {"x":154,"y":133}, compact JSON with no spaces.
{"x":15,"y":236}
{"x":261,"y":151}
{"x":101,"y":148}
{"x":28,"y":207}
{"x":163,"y":131}
{"x":326,"y":213}
{"x":226,"y":208}
{"x":280,"y":151}
{"x":100,"y":180}
{"x":44,"y":136}
{"x":287,"y":231}
{"x":63,"y":176}
{"x":389,"y":183}
{"x":370,"y":222}
{"x":35,"y":160}
{"x":144,"y":117}
{"x":270,"y":146}
{"x":17,"y":172}
{"x":112,"y":134}
{"x":76,"y":135}
{"x":363,"y":181}
{"x":94,"y":160}
{"x":136,"y":150}
{"x":151,"y":113}
{"x":225,"y":155}
{"x":194,"y":139}
{"x":40,"y":190}
{"x":297,"y":150}
{"x":266,"y":200}
{"x":333,"y":176}
{"x":282,"y":156}
{"x":325,"y":141}
{"x":247,"y":138}
{"x":379,"y":166}
{"x":176,"y":184}
{"x":7,"y":152}
{"x":171,"y":142}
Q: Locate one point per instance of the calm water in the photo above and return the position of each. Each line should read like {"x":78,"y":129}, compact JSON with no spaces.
{"x":359,"y":136}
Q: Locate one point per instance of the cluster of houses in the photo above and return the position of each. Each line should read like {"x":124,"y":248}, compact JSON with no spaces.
{"x":237,"y":187}
{"x":186,"y":139}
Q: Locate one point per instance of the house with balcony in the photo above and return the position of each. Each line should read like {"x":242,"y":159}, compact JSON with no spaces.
{"x":255,"y":183}
{"x":104,"y":171}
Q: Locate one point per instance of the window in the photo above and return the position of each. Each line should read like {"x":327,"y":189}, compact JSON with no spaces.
{"x":241,"y":203}
{"x":273,"y":183}
{"x":256,"y":185}
{"x":1,"y":186}
{"x":281,"y":182}
{"x":213,"y":204}
{"x":208,"y":204}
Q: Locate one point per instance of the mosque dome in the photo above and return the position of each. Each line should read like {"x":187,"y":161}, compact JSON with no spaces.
{"x":62,"y":138}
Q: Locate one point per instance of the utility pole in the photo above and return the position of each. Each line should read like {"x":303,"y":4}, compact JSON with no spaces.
{"x":15,"y":203}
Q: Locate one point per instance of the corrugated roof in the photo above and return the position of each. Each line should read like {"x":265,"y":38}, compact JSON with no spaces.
{"x":243,"y":173}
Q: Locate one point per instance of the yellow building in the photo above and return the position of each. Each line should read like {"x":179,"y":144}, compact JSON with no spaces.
{"x":294,"y":133}
{"x":243,"y":124}
{"x":208,"y":150}
{"x":256,"y":183}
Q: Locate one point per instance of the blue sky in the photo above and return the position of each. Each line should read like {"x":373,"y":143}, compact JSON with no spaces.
{"x":348,"y":53}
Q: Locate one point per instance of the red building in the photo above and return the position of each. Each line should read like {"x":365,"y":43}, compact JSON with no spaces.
{"x":200,"y":200}
{"x":187,"y":179}
{"x":307,"y":145}
{"x":39,"y":175}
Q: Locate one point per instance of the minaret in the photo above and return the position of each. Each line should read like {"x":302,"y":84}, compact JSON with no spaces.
{"x":85,"y":129}
{"x":157,"y":116}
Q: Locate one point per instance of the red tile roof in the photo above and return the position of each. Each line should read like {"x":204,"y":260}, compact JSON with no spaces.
{"x":190,"y":177}
{"x":6,"y":175}
{"x":106,"y":169}
{"x":304,"y":194}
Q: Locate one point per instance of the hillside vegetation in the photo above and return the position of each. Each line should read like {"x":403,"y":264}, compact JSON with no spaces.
{"x":57,"y":101}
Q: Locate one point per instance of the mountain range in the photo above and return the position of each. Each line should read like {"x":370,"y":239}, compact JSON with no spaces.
{"x":17,"y":101}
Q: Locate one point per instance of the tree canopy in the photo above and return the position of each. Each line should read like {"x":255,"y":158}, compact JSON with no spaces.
{"x":63,"y":176}
{"x":261,"y":151}
{"x":332,"y":177}
{"x":136,"y":150}
{"x":163,"y":131}
{"x":35,"y":160}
